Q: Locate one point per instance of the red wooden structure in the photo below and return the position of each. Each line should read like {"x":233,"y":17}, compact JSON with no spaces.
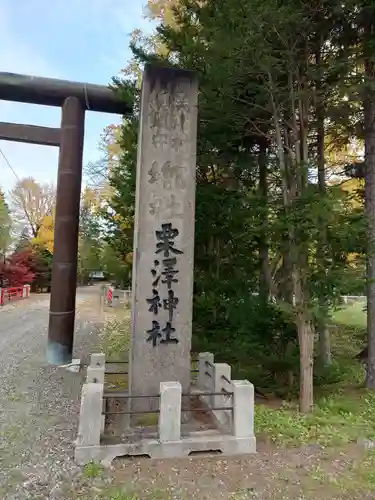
{"x":13,"y":293}
{"x":109,"y":295}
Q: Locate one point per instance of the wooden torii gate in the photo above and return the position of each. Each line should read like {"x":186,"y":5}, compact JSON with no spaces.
{"x":74,"y":98}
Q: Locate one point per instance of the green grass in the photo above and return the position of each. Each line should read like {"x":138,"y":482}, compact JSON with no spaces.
{"x":344,"y":411}
{"x":338,"y":419}
{"x":362,"y":473}
{"x":92,"y":470}
{"x":351,"y":315}
{"x":115,"y":337}
{"x":111,"y":494}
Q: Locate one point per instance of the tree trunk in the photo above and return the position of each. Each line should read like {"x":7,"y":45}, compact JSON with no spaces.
{"x":306,"y":345}
{"x":293,"y":160}
{"x":305,"y":330}
{"x":265,"y":274}
{"x":321,"y":324}
{"x":369,"y":129}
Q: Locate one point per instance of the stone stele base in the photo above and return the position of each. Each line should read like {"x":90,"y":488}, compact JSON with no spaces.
{"x":231,"y":403}
{"x":197,"y":442}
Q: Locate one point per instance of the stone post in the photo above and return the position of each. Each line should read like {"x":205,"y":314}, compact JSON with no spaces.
{"x":164,"y":233}
{"x":95,"y":374}
{"x":97,"y":359}
{"x":205,"y":365}
{"x":170,"y":412}
{"x":222,"y":380}
{"x":243,"y":408}
{"x":90,"y":421}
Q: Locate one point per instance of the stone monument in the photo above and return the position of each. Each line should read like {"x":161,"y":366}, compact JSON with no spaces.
{"x":162,"y":304}
{"x":163,"y":257}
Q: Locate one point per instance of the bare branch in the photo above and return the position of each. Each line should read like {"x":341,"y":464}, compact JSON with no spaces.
{"x":31,"y":202}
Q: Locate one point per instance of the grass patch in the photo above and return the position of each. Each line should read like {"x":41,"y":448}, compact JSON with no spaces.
{"x":92,"y":470}
{"x":118,"y":493}
{"x":344,"y":411}
{"x":362,"y":474}
{"x":337,"y":419}
{"x":351,"y":315}
{"x":112,"y":494}
{"x":147,"y":420}
{"x":116,"y":337}
{"x":115,"y":342}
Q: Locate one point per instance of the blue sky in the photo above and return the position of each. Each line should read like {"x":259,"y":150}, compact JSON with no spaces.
{"x":80,"y":40}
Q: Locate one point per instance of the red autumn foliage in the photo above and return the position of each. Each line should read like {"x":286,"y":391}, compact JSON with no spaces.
{"x":16,"y":271}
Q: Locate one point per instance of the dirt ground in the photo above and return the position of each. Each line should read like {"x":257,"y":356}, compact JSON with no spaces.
{"x":271,"y":474}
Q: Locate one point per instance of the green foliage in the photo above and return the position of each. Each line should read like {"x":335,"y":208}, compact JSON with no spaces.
{"x":5,"y":224}
{"x":119,"y":211}
{"x":41,"y":266}
{"x":259,"y":64}
{"x":90,"y":241}
{"x":115,"y":268}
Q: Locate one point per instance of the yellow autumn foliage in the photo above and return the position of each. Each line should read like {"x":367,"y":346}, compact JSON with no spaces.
{"x":351,"y":186}
{"x":129,"y":258}
{"x":45,"y":233}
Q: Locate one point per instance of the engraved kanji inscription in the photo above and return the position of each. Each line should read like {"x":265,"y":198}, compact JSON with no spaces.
{"x":174,"y":207}
{"x":160,"y":110}
{"x":154,"y":174}
{"x":170,"y":304}
{"x":173,"y":176}
{"x":165,"y":238}
{"x":180,"y":110}
{"x":167,"y":331}
{"x":169,"y":272}
{"x":154,"y":302}
{"x":156,"y":273}
{"x":180,"y":100}
{"x":159,"y":140}
{"x":155,"y":206}
{"x":177,"y":143}
{"x":154,"y":333}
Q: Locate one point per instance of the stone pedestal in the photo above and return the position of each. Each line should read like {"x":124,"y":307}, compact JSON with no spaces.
{"x":164,"y":233}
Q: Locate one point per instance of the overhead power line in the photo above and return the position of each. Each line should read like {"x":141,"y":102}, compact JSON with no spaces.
{"x":9,"y":165}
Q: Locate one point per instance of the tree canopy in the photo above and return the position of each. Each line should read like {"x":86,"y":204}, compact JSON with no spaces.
{"x":282,"y":98}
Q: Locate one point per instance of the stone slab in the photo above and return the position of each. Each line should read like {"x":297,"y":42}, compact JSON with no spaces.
{"x":90,"y":420}
{"x":170,"y":411}
{"x":95,"y":375}
{"x":74,"y":366}
{"x":197,"y":442}
{"x":163,"y":256}
{"x":243,"y":404}
{"x":97,"y":359}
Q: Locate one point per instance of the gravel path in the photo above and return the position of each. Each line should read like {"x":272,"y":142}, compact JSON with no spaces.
{"x":39,"y":404}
